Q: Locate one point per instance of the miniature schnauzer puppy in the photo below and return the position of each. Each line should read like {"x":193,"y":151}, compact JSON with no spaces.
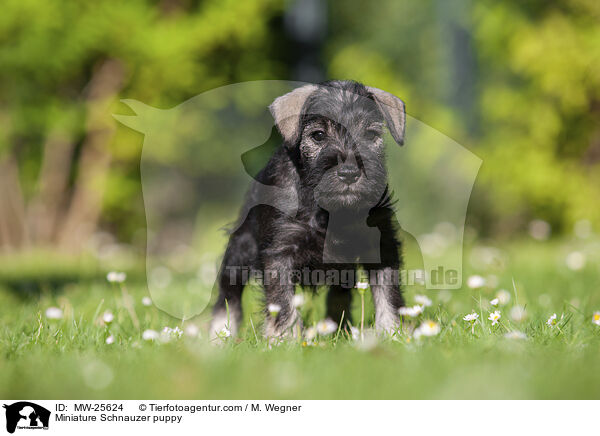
{"x":332,"y":159}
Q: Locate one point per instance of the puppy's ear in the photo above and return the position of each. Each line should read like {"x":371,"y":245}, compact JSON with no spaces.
{"x":393,"y":111}
{"x":286,"y":111}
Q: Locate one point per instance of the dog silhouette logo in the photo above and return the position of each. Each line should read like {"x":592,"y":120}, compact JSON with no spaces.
{"x":26,"y":415}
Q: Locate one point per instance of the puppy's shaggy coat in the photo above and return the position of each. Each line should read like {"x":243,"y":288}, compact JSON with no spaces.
{"x":332,"y":158}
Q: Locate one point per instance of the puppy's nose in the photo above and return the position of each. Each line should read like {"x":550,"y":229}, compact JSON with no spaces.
{"x":348,"y":173}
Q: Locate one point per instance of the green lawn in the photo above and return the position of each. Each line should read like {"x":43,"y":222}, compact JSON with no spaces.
{"x":69,"y":357}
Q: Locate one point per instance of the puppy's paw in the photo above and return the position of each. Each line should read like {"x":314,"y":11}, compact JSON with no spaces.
{"x":277,"y":328}
{"x":388,"y":325}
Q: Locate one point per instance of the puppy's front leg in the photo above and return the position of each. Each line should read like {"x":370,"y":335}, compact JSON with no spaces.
{"x":387,"y":299}
{"x":279,"y":291}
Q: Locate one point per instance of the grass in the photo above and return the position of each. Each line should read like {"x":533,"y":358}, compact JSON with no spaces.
{"x":69,"y":358}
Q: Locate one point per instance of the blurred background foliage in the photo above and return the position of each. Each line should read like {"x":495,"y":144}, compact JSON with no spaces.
{"x":515,"y":82}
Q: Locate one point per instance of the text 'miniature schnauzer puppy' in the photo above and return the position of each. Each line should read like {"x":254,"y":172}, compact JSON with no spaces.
{"x":332,"y":159}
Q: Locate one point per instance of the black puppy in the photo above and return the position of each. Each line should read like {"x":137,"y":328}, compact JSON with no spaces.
{"x":332,"y":160}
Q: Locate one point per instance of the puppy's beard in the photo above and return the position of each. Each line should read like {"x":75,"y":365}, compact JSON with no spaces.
{"x":360,"y":196}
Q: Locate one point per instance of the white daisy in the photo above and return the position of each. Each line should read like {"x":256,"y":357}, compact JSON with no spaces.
{"x":503,"y":296}
{"x":192,"y":330}
{"x":54,"y":313}
{"x":326,"y":327}
{"x":475,"y":282}
{"x":495,"y":302}
{"x":355,"y":333}
{"x":427,"y":328}
{"x":224,"y":333}
{"x":518,"y":313}
{"x":274,"y":309}
{"x":423,"y":300}
{"x":310,"y":333}
{"x":110,"y":340}
{"x":108,"y":317}
{"x":596,"y":318}
{"x":471,"y":317}
{"x":150,"y":335}
{"x":413,"y":311}
{"x":169,"y":333}
{"x":495,"y":317}
{"x":552,"y":321}
{"x":298,"y":300}
{"x":116,"y":277}
{"x":147,"y":301}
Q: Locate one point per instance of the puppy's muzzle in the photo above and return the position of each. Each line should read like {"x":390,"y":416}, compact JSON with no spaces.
{"x":348,"y":170}
{"x":348,"y":174}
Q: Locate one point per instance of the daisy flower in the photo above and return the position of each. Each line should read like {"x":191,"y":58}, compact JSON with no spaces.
{"x":475,"y":282}
{"x":471,"y":317}
{"x":116,"y":277}
{"x":495,"y":317}
{"x":596,"y":318}
{"x":503,"y":296}
{"x":361,"y":287}
{"x":495,"y":302}
{"x":274,"y":309}
{"x":310,"y":333}
{"x":147,"y":301}
{"x":224,"y":333}
{"x":192,"y":330}
{"x":168,"y":333}
{"x":518,"y":313}
{"x":54,"y":313}
{"x":110,"y":340}
{"x":108,"y":317}
{"x":298,"y":300}
{"x":413,"y":311}
{"x":150,"y":335}
{"x":326,"y":327}
{"x":552,"y":320}
{"x":427,"y":328}
{"x":423,"y":300}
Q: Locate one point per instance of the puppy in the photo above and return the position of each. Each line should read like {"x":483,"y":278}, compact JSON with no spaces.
{"x":332,"y":160}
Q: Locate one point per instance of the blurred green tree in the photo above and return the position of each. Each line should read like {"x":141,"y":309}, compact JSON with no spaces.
{"x":63,"y":67}
{"x":516,"y":82}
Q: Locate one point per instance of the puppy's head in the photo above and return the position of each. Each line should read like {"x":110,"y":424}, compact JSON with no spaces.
{"x":336,"y":132}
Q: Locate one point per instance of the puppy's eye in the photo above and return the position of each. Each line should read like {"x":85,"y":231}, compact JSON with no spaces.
{"x":318,"y":136}
{"x":371,"y":135}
